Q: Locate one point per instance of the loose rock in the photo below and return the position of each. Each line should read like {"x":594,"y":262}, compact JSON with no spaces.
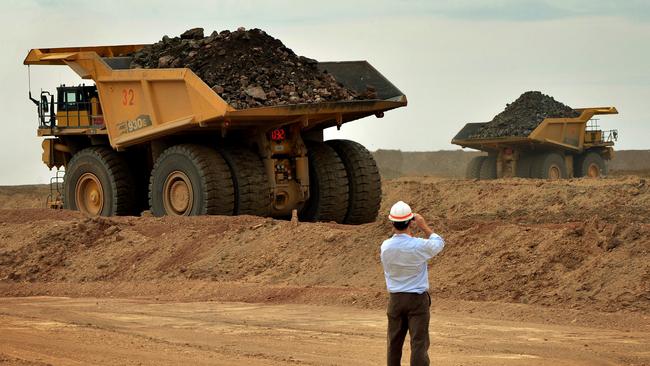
{"x":523,"y":115}
{"x":256,"y":92}
{"x":194,"y":33}
{"x":247,"y":68}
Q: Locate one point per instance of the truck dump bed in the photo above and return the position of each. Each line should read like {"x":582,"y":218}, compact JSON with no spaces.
{"x":355,"y":75}
{"x":143,"y":104}
{"x":562,"y":133}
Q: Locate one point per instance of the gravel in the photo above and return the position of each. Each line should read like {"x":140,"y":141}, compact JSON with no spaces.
{"x":247,"y":68}
{"x":523,"y":115}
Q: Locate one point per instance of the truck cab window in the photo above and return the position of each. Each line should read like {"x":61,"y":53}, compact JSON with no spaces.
{"x":71,"y":97}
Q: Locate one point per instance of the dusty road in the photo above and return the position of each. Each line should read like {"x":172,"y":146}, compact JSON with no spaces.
{"x":66,"y":331}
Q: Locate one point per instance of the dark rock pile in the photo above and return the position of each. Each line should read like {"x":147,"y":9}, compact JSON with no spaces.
{"x":247,"y":68}
{"x":523,"y":115}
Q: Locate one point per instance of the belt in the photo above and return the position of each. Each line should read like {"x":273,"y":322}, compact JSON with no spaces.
{"x":409,"y":293}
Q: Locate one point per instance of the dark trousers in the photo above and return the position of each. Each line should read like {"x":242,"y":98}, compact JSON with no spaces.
{"x":408,"y":312}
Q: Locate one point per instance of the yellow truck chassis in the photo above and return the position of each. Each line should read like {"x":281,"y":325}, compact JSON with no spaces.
{"x":138,"y":115}
{"x":556,"y":148}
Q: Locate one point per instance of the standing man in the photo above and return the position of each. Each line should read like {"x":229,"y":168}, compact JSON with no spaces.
{"x":404,"y":259}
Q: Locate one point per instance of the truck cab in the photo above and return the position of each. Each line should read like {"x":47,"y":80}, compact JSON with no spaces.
{"x":74,"y":106}
{"x":78,"y":106}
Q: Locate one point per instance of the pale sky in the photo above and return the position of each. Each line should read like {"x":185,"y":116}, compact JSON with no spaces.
{"x":457,"y":61}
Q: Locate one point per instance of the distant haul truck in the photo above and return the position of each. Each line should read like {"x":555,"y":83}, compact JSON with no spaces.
{"x":161,"y":139}
{"x":557,"y":148}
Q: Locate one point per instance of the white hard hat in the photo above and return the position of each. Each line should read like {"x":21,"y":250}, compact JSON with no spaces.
{"x":400,"y":212}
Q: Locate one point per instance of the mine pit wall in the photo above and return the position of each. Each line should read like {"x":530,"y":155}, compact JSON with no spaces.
{"x":452,"y":163}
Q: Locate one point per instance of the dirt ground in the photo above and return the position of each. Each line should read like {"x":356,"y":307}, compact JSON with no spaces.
{"x":534,"y":272}
{"x":65,"y":331}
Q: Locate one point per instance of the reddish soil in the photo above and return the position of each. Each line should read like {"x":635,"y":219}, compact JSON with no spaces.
{"x":580,"y":244}
{"x":533,"y":273}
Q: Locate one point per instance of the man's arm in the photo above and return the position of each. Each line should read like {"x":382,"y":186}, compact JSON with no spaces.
{"x":422,"y":224}
{"x":434,"y":243}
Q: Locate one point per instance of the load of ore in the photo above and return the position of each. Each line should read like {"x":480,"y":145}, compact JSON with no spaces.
{"x":247,"y":68}
{"x":523,"y":115}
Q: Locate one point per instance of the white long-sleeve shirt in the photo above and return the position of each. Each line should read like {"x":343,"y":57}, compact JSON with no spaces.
{"x":404,"y":259}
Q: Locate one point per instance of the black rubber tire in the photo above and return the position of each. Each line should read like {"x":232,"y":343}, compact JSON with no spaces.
{"x":208,"y":173}
{"x":543,"y":162}
{"x":251,"y":185}
{"x":582,"y":163}
{"x":488,"y":168}
{"x":113,"y":173}
{"x":524,"y":165}
{"x":364,"y":182}
{"x":328,"y":185}
{"x":473,"y":170}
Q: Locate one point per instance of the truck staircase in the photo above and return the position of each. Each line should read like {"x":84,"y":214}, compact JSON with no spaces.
{"x":55,"y":197}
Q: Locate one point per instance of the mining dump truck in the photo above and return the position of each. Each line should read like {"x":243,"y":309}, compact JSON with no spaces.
{"x":163,"y":140}
{"x":557,"y":148}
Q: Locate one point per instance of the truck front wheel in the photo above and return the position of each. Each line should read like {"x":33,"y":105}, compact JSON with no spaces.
{"x":590,"y":165}
{"x":549,"y":166}
{"x":97,"y":182}
{"x":190,"y":180}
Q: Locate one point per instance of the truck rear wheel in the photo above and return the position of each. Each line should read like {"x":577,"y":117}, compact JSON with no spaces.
{"x":189,"y":180}
{"x":364,"y":182}
{"x":489,"y":168}
{"x":251,"y":185}
{"x":473,"y":170}
{"x":549,"y":166}
{"x":97,"y":182}
{"x":590,"y":165}
{"x":328,"y":185}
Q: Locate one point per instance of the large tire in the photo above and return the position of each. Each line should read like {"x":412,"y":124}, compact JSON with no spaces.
{"x":364,"y":182}
{"x":189,"y":180}
{"x":524,"y":165}
{"x":590,"y":164}
{"x":328,"y":185}
{"x":97,"y":182}
{"x":252,"y":188}
{"x":549,"y":166}
{"x":489,"y":168}
{"x":473,"y":170}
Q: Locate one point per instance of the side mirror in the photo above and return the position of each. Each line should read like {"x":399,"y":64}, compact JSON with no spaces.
{"x":44,"y":104}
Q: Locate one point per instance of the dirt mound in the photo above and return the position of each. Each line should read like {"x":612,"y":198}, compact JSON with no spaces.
{"x":637,"y":161}
{"x":247,"y":68}
{"x":582,"y":244}
{"x":452,"y":164}
{"x":525,"y":201}
{"x":28,"y":196}
{"x":523,"y":115}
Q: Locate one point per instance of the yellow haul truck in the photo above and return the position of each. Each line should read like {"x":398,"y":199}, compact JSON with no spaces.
{"x":557,"y":148}
{"x":161,"y":139}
